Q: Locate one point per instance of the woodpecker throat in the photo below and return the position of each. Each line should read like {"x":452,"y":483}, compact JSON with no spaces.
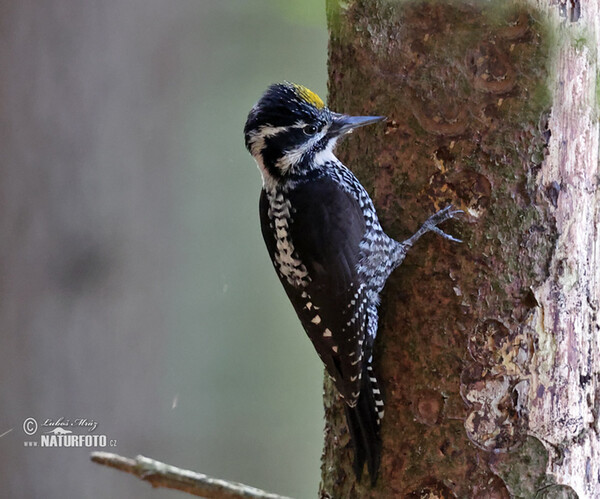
{"x":327,"y":246}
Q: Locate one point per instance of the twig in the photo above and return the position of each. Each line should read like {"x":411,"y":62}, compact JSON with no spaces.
{"x":170,"y":477}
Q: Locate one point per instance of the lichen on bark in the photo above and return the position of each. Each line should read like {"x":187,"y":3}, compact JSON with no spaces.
{"x":465,"y":87}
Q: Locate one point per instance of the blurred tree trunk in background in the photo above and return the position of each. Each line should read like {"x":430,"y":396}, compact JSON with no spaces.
{"x":489,"y":351}
{"x":83,"y":238}
{"x":124,"y":181}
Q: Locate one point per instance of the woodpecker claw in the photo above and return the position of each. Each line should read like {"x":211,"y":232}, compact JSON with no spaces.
{"x":431,"y":225}
{"x":443,"y":215}
{"x":439,"y":231}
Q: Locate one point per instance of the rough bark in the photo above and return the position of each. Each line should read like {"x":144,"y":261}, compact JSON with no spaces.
{"x":488,"y":351}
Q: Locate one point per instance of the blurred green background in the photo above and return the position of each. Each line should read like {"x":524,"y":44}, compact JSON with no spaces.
{"x":136,"y":290}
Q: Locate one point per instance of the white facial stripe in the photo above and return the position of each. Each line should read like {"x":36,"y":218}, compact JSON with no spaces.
{"x":270,"y":131}
{"x":291,"y":157}
{"x":257,"y":138}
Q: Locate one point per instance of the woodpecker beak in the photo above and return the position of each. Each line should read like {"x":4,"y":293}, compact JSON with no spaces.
{"x":343,"y":124}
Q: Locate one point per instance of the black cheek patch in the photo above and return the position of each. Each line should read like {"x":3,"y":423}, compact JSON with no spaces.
{"x":276,"y":146}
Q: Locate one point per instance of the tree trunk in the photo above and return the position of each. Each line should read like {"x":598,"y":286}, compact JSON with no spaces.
{"x":488,"y":351}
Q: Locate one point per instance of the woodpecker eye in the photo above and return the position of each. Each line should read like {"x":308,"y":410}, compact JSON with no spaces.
{"x":310,"y":129}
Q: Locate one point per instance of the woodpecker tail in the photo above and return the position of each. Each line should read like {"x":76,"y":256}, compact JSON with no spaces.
{"x":364,"y":420}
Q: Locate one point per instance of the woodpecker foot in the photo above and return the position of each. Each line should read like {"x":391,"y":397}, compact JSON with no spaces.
{"x":431,"y":224}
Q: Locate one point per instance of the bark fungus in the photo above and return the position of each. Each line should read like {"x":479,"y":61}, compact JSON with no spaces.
{"x":488,"y":350}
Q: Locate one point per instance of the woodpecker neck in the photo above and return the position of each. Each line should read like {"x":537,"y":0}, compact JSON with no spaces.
{"x":297,"y":168}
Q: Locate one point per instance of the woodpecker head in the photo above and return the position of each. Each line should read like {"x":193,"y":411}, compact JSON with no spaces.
{"x":290,"y":131}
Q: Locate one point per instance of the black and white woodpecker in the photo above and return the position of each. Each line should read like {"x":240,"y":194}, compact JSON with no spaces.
{"x":327,"y":246}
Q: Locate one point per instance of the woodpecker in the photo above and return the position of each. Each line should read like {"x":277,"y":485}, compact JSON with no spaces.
{"x":327,"y":246}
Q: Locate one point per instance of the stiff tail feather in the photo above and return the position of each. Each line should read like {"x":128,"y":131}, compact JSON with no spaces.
{"x":364,"y":421}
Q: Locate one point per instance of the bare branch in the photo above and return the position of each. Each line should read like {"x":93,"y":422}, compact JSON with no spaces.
{"x":164,"y":475}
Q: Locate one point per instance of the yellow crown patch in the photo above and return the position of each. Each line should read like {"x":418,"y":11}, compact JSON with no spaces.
{"x":308,"y":96}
